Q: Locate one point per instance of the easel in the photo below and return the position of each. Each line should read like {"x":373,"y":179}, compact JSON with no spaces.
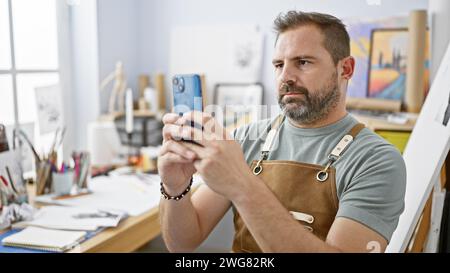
{"x":418,"y":241}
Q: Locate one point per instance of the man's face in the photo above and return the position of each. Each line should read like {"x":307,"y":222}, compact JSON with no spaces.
{"x":306,"y":75}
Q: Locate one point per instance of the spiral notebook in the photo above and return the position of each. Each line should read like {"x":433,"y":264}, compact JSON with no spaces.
{"x":45,"y":239}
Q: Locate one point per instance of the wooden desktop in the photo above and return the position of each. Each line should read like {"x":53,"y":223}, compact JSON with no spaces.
{"x":131,"y":233}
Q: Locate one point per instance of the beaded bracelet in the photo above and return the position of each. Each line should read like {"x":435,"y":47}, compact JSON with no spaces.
{"x":176,"y":198}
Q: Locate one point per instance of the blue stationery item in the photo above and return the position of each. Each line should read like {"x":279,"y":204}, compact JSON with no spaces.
{"x":9,"y":249}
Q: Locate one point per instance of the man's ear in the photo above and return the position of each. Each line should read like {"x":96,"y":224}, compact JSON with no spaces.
{"x":348,"y":67}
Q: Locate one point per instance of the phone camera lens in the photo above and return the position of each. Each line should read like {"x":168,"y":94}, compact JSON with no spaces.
{"x":181,"y":85}
{"x":175,"y":81}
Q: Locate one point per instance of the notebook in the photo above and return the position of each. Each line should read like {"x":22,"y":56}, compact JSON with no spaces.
{"x":45,"y":239}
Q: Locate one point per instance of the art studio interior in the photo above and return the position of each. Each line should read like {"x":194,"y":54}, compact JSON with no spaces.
{"x":202,"y":126}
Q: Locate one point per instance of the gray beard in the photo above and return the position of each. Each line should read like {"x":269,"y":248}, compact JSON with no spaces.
{"x":311,"y":108}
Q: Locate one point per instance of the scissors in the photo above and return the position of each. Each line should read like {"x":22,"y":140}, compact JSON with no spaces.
{"x":99,"y":214}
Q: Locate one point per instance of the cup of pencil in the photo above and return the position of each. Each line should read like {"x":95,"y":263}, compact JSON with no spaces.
{"x":63,"y":181}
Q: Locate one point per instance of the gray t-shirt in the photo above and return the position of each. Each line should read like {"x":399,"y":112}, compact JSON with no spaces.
{"x":370,"y":175}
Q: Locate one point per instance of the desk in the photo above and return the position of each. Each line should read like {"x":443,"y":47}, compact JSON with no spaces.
{"x":376,"y":124}
{"x":131,"y":234}
{"x":396,"y":134}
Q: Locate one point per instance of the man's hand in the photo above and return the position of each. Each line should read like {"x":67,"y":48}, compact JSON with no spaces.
{"x":219,"y":160}
{"x":175,"y":161}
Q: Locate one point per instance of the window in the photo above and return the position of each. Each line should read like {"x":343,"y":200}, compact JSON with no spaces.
{"x":5,"y":59}
{"x":28,"y":59}
{"x":7,"y":100}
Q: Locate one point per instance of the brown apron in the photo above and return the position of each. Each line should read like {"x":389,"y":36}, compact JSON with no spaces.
{"x":307,"y":191}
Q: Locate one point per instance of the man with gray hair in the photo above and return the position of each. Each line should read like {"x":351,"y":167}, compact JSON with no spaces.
{"x":318,"y":180}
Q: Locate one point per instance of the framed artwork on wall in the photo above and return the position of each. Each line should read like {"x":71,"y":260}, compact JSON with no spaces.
{"x":239,"y":103}
{"x":360,"y":31}
{"x":388,"y":62}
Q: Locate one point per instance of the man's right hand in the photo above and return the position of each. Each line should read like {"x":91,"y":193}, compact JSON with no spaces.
{"x":175,"y":162}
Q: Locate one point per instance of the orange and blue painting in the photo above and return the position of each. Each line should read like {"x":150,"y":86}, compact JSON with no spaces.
{"x":388,"y":59}
{"x":360,"y":31}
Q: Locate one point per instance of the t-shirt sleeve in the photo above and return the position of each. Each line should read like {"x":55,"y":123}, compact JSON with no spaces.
{"x":375,"y":195}
{"x":240,"y":133}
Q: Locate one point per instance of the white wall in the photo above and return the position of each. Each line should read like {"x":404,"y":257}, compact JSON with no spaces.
{"x":66,"y":68}
{"x":439,"y":13}
{"x":157,"y":18}
{"x":101,"y":33}
{"x":117,"y":41}
{"x":84,"y":45}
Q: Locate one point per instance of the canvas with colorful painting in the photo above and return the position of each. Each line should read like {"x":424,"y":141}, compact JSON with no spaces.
{"x":360,"y":31}
{"x":388,"y":61}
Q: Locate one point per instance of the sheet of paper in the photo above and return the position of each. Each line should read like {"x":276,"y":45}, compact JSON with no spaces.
{"x":71,"y":218}
{"x":133,"y":194}
{"x":49,"y":108}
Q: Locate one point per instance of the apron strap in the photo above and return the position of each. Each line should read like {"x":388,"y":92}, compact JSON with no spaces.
{"x":272,"y":133}
{"x":345,"y":141}
{"x":339,"y":149}
{"x":335,"y":154}
{"x":356,"y":129}
{"x":268,"y":143}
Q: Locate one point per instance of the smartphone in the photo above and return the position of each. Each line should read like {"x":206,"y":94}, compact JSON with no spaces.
{"x":187,"y":96}
{"x":187,"y":93}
